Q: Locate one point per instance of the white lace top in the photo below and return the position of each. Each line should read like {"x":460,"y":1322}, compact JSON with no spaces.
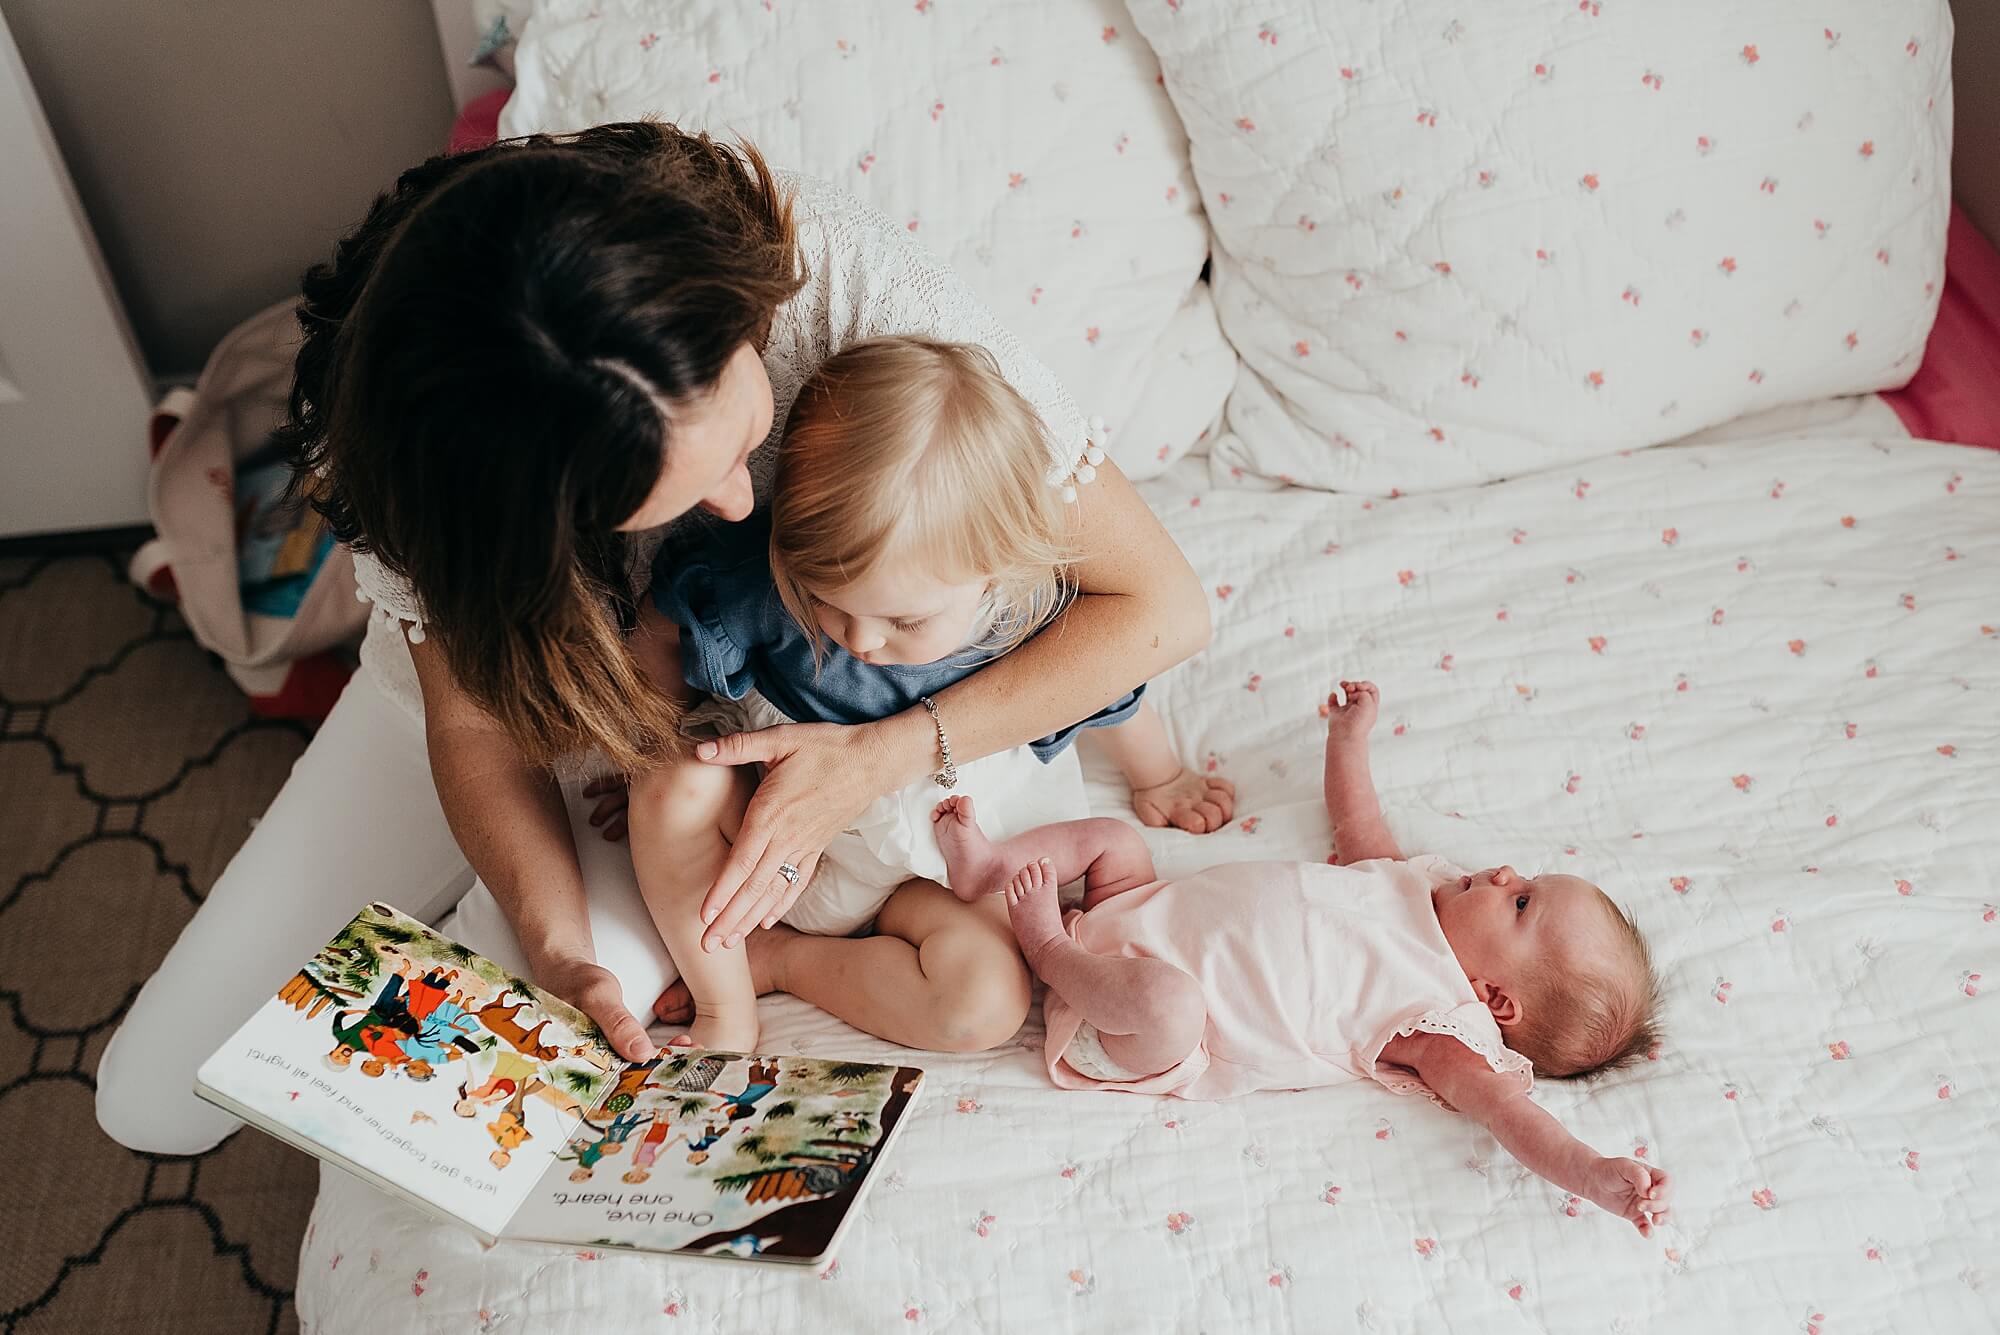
{"x":865,"y":277}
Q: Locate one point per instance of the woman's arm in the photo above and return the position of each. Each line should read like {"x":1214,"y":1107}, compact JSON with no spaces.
{"x":1631,"y":1190}
{"x":1139,"y":610}
{"x":509,"y":819}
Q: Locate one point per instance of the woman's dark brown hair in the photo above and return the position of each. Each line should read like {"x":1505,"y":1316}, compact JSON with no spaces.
{"x":471,"y":406}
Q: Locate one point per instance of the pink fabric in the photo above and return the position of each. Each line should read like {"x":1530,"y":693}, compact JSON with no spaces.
{"x":1955,"y":394}
{"x":478,"y":122}
{"x":1307,"y":970}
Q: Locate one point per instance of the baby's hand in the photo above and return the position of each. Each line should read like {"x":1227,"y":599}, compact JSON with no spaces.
{"x":1631,"y":1190}
{"x":1199,"y":804}
{"x":1350,"y":722}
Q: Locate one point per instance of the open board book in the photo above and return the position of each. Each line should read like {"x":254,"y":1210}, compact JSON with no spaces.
{"x":441,"y":1078}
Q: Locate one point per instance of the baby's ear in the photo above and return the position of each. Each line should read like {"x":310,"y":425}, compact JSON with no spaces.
{"x":1505,"y":1007}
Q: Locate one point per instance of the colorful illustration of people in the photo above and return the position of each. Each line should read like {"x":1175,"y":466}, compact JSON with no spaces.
{"x":758,"y":1084}
{"x":585,"y":1153}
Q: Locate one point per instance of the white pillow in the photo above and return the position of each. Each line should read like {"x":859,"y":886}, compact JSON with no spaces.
{"x":1460,"y":241}
{"x":1033,"y":149}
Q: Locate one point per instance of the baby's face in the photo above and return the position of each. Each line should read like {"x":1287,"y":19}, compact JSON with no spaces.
{"x":899,"y":615}
{"x":1498,"y":922}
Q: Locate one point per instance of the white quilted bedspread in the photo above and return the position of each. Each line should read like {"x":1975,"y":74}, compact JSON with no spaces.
{"x":1749,"y":688}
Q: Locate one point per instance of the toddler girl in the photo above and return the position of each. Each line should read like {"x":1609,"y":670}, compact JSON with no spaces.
{"x":913,"y":537}
{"x":1275,"y":975}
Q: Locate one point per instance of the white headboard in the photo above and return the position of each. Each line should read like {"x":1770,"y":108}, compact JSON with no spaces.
{"x":458,"y":34}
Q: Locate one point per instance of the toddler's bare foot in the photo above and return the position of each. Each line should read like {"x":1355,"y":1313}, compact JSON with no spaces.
{"x":763,"y":948}
{"x":1197,"y":803}
{"x":1033,"y":908}
{"x":722,"y":1029}
{"x":969,"y":856}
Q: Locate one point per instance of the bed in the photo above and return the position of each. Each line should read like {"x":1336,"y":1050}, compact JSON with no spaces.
{"x":1746,"y":680}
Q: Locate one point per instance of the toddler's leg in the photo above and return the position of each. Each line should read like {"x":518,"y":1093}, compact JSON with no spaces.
{"x":683,"y":820}
{"x":1148,"y":1014}
{"x":1108,"y":854}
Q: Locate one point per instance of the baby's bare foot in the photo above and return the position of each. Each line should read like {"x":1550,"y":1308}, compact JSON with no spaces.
{"x":723,"y":1029}
{"x":1033,"y":908}
{"x":969,"y":856}
{"x":1197,"y":803}
{"x":761,"y":949}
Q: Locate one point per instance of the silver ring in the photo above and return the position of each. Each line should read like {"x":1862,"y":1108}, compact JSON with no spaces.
{"x":789,"y":872}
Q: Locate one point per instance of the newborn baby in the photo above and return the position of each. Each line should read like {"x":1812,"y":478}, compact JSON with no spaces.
{"x":1289,"y":975}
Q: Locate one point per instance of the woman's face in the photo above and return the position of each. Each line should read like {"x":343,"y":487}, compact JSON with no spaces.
{"x":710,"y":438}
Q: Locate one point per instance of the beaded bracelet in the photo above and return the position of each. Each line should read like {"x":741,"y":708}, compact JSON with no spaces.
{"x":946,"y":777}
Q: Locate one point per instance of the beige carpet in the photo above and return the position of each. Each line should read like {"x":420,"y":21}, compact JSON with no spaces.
{"x":130,"y":770}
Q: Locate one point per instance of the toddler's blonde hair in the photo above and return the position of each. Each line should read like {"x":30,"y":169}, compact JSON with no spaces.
{"x":908,"y":449}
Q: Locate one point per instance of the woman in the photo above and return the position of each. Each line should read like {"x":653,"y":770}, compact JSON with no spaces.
{"x":520,"y":368}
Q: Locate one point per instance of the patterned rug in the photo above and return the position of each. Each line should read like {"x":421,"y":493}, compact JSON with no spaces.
{"x":130,"y":770}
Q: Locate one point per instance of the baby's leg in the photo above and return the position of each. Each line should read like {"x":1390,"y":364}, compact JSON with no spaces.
{"x":683,"y":819}
{"x":1108,"y":854}
{"x":1148,"y":1013}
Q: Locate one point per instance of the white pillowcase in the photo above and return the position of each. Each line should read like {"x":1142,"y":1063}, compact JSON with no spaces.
{"x":1032,"y":148}
{"x":1456,"y":242}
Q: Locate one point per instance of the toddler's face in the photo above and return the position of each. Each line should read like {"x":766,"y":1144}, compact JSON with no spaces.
{"x":902,"y":615}
{"x":1500,"y":922}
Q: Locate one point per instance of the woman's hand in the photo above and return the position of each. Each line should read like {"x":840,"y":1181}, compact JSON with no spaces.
{"x":592,"y":989}
{"x":614,"y":794}
{"x":817,"y":778}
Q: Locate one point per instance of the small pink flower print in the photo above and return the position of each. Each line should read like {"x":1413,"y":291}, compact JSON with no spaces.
{"x":1406,"y":577}
{"x":1839,"y":1051}
{"x":1704,"y":144}
{"x":1518,"y":536}
{"x":1871,"y":671}
{"x":866,"y":162}
{"x":1590,"y":7}
{"x":715,"y":76}
{"x":1426,"y":1247}
{"x":1545,"y":70}
{"x":1867,"y":149}
{"x":1851,"y":730}
{"x":1223,"y":591}
{"x":1090,"y":335}
{"x":914,"y":1313}
{"x":1470,"y":379}
{"x":1179,"y":1222}
{"x":1573,"y":783}
{"x":676,"y":1303}
{"x":923,"y":6}
{"x":334,"y":1264}
{"x":1911,"y":47}
{"x":1035,"y":297}
{"x":1904,"y":888}
{"x":1384,"y":1129}
{"x":1402,"y":726}
{"x":1669,"y":536}
{"x":832,"y":1270}
{"x":1081,"y":1282}
{"x":1594,"y":379}
{"x":1812,"y":1322}
{"x":1882,"y":257}
{"x":1716,"y":617}
{"x":1721,"y":991}
{"x":1769,"y":185}
{"x":911,"y":225}
{"x":1681,"y":683}
{"x":1224,"y":196}
{"x":1652,"y":81}
{"x":1444,"y":663}
{"x":1764,"y":1198}
{"x":1832,"y":38}
{"x":1580,"y":490}
{"x":1245,"y":124}
{"x":417,"y":1283}
{"x":1267,"y":35}
{"x":968,"y":1105}
{"x":1588,"y":181}
{"x":1821,"y":227}
{"x":1279,"y":1278}
{"x":1015,"y":180}
{"x":1908,"y":602}
{"x":937,"y":113}
{"x":1353,"y":280}
{"x":1873,"y":1251}
{"x":1749,"y":54}
{"x":1951,"y":487}
{"x":983,"y":1225}
{"x":1968,"y":983}
{"x":1756,"y":377}
{"x":1798,"y":648}
{"x":1728,"y":265}
{"x":1077,"y":229}
{"x":1302,"y":349}
{"x":1910,"y":1160}
{"x":1572,"y":1205}
{"x":1516,"y":1290}
{"x":1331,"y":1195}
{"x":1680,"y":885}
{"x":647,"y":42}
{"x":1782,"y":923}
{"x":1350,"y":72}
{"x":1635,"y":731}
{"x":1853,"y":340}
{"x":1948,"y":751}
{"x":1427,"y":117}
{"x":1597,"y":643}
{"x":1443,"y":267}
{"x":1945,"y":1089}
{"x":1731,"y":1093}
{"x":1249,"y":824}
{"x":1697,"y":337}
{"x":1630,"y":296}
{"x":1108,"y":36}
{"x":1256,"y":680}
{"x":1832,"y":819}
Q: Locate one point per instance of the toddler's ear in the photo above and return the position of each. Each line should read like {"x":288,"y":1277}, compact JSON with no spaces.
{"x":1505,"y":1007}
